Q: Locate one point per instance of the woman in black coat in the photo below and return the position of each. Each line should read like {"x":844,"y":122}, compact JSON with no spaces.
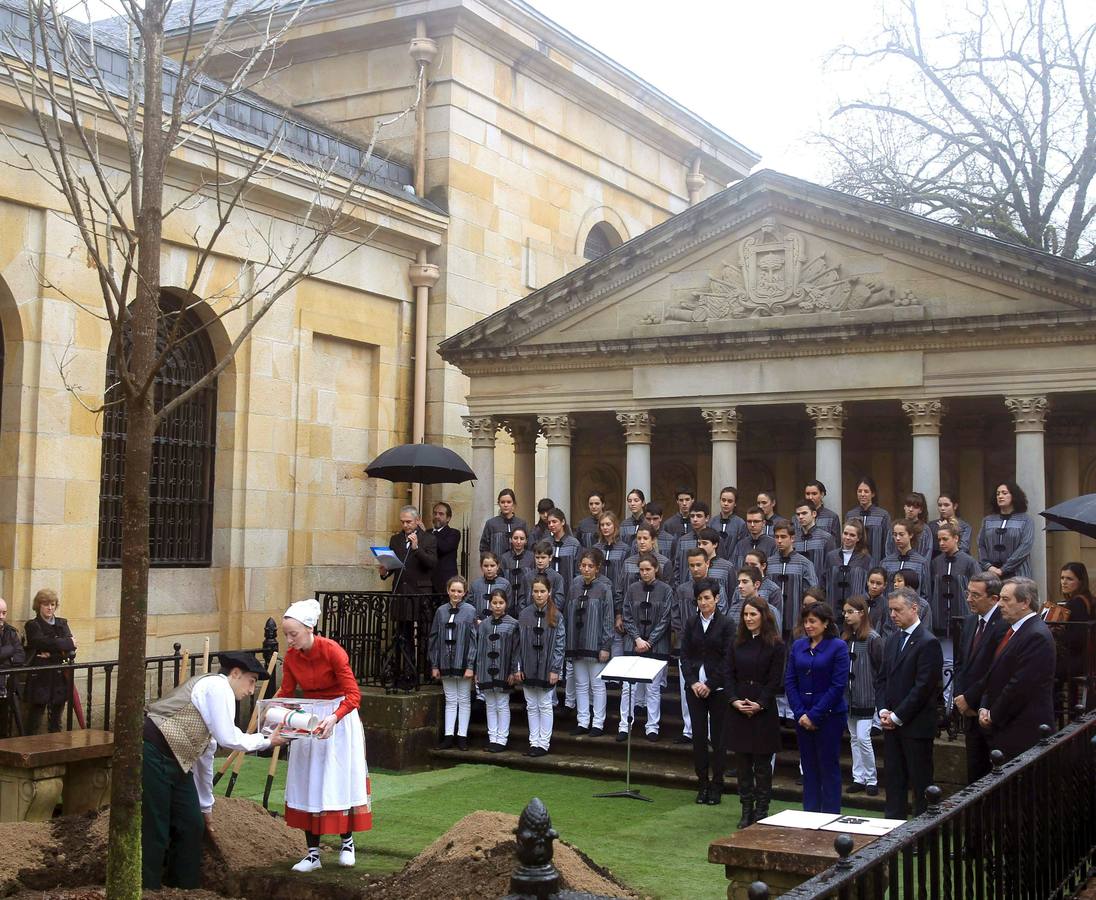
{"x":49,"y":643}
{"x":753,"y":727}
{"x":705,"y":659}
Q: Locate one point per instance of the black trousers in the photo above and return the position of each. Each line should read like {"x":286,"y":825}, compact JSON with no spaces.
{"x":978,"y":761}
{"x":908,"y":766}
{"x":37,"y":713}
{"x":705,"y":711}
{"x":755,"y":777}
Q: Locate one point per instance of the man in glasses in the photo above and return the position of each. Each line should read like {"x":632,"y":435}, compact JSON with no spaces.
{"x":755,"y":538}
{"x":982,"y":632}
{"x":952,"y":570}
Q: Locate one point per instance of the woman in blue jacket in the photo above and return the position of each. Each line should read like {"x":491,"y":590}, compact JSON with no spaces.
{"x":815,"y":682}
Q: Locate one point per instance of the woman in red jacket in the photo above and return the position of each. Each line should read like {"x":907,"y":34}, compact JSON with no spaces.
{"x":327,"y":787}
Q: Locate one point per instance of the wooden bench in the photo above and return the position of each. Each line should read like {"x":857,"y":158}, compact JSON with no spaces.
{"x":781,"y":857}
{"x":39,"y":771}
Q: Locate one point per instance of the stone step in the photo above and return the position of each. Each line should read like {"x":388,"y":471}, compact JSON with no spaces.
{"x":644,"y":772}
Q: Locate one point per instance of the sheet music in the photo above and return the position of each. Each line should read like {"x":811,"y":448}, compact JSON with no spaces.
{"x":633,"y":668}
{"x":387,"y":557}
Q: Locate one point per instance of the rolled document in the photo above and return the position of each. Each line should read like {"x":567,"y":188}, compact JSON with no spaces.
{"x":291,"y":719}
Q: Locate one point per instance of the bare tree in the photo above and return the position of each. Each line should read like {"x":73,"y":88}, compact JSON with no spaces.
{"x":113,"y":116}
{"x":990,"y":125}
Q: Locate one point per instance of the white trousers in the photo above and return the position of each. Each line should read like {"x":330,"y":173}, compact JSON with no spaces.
{"x":863,"y":754}
{"x":630,"y":695}
{"x":687,"y":719}
{"x":538,"y":704}
{"x":587,"y":678}
{"x":498,"y":715}
{"x":569,"y":684}
{"x":458,"y":704}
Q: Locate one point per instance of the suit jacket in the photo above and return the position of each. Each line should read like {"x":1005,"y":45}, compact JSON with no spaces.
{"x":971,"y":665}
{"x":909,"y":681}
{"x":448,"y":540}
{"x":418,"y":565}
{"x":1018,"y":689}
{"x":710,"y":649}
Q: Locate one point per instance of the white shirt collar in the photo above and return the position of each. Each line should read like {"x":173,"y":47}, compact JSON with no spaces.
{"x":913,"y":627}
{"x":1016,"y":625}
{"x":989,"y":614}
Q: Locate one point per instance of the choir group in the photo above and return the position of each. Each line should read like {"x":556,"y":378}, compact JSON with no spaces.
{"x":553,"y":604}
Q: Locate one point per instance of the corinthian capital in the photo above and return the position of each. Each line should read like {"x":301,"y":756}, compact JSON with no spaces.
{"x":482,"y":429}
{"x":925,"y":416}
{"x":637,"y":425}
{"x":828,"y":418}
{"x":723,"y":423}
{"x":557,"y":429}
{"x":1029,"y":413}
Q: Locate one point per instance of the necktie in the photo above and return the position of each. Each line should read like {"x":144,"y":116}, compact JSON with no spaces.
{"x":905,"y":639}
{"x":1004,"y":642}
{"x":978,"y":634}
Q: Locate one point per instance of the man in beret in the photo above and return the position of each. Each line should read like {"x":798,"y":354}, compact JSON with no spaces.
{"x":182,"y":732}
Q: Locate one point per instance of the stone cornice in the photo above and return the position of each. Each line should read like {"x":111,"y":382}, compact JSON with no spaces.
{"x":967,"y":333}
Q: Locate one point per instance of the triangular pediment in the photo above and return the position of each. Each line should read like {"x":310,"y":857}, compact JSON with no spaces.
{"x":771,"y":260}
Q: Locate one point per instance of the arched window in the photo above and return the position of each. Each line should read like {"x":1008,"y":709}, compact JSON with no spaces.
{"x":601,"y":239}
{"x":183,"y":450}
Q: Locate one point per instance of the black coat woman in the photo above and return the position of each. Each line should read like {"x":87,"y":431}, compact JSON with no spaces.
{"x":705,"y":662}
{"x":753,"y":725}
{"x":49,"y":643}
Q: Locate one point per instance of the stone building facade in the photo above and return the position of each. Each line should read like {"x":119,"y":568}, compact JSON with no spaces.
{"x":779,"y":332}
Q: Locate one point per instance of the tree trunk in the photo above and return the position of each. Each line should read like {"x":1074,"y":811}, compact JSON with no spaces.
{"x":124,"y":853}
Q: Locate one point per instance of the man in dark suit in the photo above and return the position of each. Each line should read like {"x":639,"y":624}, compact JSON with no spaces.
{"x":982,"y":632}
{"x":906,"y":692}
{"x":418,"y":551}
{"x":1016,"y":695}
{"x":448,"y":540}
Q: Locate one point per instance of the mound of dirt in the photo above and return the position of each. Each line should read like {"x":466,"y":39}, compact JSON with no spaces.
{"x":71,"y":852}
{"x":474,"y":859}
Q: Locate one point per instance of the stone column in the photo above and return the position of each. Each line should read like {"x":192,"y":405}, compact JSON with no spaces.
{"x":557,"y":429}
{"x":829,"y":426}
{"x":524,"y":434}
{"x":925,"y":416}
{"x":637,"y":427}
{"x":724,"y":426}
{"x":1065,"y":437}
{"x":482,"y":429}
{"x":1029,"y":415}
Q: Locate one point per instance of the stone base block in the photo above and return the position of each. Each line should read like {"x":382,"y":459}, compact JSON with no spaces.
{"x":400,"y":729}
{"x":30,"y":795}
{"x":87,"y":786}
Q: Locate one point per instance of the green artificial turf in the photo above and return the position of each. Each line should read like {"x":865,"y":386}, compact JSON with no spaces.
{"x":660,"y":849}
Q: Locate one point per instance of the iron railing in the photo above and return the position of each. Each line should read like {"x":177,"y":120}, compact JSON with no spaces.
{"x":384,"y":634}
{"x":91,"y":698}
{"x":1026,"y":830}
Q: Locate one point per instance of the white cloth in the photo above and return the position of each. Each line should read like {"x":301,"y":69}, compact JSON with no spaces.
{"x":538,"y":704}
{"x":498,"y":715}
{"x":213,"y":698}
{"x":329,"y":775}
{"x":458,"y":704}
{"x":588,"y":682}
{"x":306,"y":611}
{"x":863,"y":753}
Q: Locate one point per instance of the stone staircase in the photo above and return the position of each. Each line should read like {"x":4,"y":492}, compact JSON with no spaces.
{"x":660,"y":763}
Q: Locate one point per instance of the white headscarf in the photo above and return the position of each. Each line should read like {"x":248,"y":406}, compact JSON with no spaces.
{"x":307,"y":612}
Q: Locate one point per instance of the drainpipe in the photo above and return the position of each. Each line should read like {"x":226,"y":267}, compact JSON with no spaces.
{"x":423,"y":275}
{"x":695,"y":181}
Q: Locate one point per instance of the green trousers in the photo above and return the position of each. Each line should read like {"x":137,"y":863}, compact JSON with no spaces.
{"x":172,"y":826}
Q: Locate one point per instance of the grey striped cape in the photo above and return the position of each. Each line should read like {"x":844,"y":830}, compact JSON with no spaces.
{"x":895,"y":562}
{"x":589,"y":614}
{"x":845,"y":581}
{"x":815,"y":547}
{"x":877,"y":528}
{"x":765,"y":544}
{"x":793,"y":574}
{"x":559,"y":589}
{"x":496,"y":534}
{"x":540,"y":652}
{"x":950,"y":576}
{"x":647,"y":611}
{"x":1006,"y":542}
{"x":496,"y":636}
{"x":452,"y":643}
{"x":479,"y":593}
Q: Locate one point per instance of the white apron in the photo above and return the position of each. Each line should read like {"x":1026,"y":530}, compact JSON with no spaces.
{"x":329,"y":775}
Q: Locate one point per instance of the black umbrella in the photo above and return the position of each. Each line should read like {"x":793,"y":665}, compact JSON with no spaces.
{"x":420,"y":464}
{"x":1078,"y":514}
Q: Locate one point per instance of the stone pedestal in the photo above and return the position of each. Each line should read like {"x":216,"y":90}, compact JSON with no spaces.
{"x":781,"y":857}
{"x":30,"y":795}
{"x":400,"y":729}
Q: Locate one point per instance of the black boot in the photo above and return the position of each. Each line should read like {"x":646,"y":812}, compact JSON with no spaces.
{"x":702,"y":792}
{"x":747,"y":814}
{"x":763,"y":792}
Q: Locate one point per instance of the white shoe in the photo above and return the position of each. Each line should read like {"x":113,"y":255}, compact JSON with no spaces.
{"x":346,"y":857}
{"x":309,"y":864}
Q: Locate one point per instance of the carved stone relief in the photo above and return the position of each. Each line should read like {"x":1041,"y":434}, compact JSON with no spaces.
{"x":776,"y":276}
